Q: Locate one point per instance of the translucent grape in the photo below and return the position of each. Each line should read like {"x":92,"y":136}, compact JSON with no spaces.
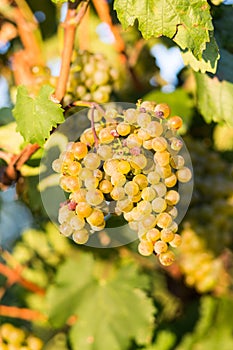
{"x":159,"y":205}
{"x":153,"y":177}
{"x":96,"y":218}
{"x":154,"y":129}
{"x":79,"y":150}
{"x":77,"y":223}
{"x":160,"y":247}
{"x":105,"y":135}
{"x":148,"y":194}
{"x":131,"y":188}
{"x":172,"y":197}
{"x":153,"y":235}
{"x":145,"y":248}
{"x":94,"y":197}
{"x":91,"y":161}
{"x":123,"y":129}
{"x":105,"y":186}
{"x":164,"y":220}
{"x":162,"y":110}
{"x":80,"y":236}
{"x":141,"y":181}
{"x":57,"y":165}
{"x":159,"y":144}
{"x":117,"y":193}
{"x":66,"y":229}
{"x":184,"y":174}
{"x":123,"y":166}
{"x":104,"y":151}
{"x":143,"y":120}
{"x":167,"y":258}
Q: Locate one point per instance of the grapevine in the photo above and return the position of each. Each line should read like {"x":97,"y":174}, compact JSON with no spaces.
{"x":131,"y":159}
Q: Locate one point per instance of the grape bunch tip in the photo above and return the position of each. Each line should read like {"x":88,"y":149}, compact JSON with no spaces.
{"x":136,"y":164}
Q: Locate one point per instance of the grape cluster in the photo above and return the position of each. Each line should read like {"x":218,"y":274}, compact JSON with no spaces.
{"x":91,"y":78}
{"x":201,"y":268}
{"x":129,"y":165}
{"x":211,"y":211}
{"x":209,"y":221}
{"x":13,"y":338}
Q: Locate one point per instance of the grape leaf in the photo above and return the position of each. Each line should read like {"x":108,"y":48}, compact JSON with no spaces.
{"x":165,"y":340}
{"x":187,"y":22}
{"x":208,"y":62}
{"x":214,"y":99}
{"x":37,"y":116}
{"x":213,"y":330}
{"x":111,"y":310}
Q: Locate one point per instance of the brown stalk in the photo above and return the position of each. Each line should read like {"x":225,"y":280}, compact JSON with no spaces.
{"x":70,"y":25}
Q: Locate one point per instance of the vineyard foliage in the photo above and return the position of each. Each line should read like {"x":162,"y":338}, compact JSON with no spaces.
{"x":58,"y":58}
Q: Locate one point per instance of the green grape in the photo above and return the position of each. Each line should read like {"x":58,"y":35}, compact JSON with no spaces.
{"x":91,"y":78}
{"x":160,"y":247}
{"x":162,"y":110}
{"x":159,"y":144}
{"x":172,"y":197}
{"x":94,"y":197}
{"x":66,"y":229}
{"x":143,"y":120}
{"x":159,"y":205}
{"x":184,"y":174}
{"x":80,"y":236}
{"x":77,"y":223}
{"x":167,"y":258}
{"x":145,"y":248}
{"x":91,"y":161}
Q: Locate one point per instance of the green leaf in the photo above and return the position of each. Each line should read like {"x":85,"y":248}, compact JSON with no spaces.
{"x":208,"y":62}
{"x":111,"y":310}
{"x":165,"y":340}
{"x":186,"y":22}
{"x":214,"y":99}
{"x":213,"y":330}
{"x":37,"y":116}
{"x":223,"y":137}
{"x":179,"y":101}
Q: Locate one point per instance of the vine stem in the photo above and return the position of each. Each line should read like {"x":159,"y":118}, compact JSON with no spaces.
{"x":21,"y":313}
{"x":14,"y":276}
{"x":70,"y":25}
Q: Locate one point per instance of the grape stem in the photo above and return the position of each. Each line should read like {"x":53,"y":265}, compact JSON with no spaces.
{"x":93,"y":127}
{"x":21,"y":313}
{"x":89,"y":104}
{"x":11,"y":172}
{"x":14,"y":276}
{"x":70,"y":25}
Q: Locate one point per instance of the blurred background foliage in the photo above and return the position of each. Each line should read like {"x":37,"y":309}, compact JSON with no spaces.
{"x":94,"y":299}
